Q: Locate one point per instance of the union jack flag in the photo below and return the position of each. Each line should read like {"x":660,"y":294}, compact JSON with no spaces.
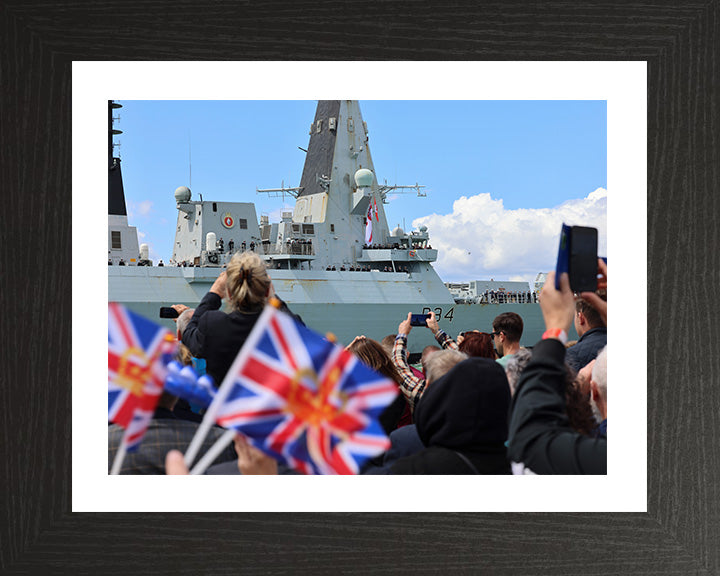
{"x":138,"y":353}
{"x":303,"y":400}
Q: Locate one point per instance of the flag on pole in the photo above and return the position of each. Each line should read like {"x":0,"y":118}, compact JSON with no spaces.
{"x":368,"y":225}
{"x":138,"y":353}
{"x":377,"y":214}
{"x":304,"y":400}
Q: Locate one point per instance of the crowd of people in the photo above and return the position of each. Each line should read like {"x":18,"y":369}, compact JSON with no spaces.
{"x":414,"y":246}
{"x":366,"y":268}
{"x":479,"y":403}
{"x":508,"y":297}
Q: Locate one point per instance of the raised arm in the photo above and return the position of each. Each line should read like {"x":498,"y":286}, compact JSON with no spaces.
{"x":442,"y":338}
{"x":412,"y":387}
{"x":540,"y":436}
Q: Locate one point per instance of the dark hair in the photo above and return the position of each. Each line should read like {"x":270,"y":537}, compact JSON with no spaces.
{"x":478,"y":345}
{"x":388,"y":342}
{"x":577,"y":405}
{"x":511,"y":324}
{"x":591,"y":315}
{"x":374,"y":355}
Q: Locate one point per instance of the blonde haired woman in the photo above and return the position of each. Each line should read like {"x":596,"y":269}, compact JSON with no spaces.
{"x":216,"y":336}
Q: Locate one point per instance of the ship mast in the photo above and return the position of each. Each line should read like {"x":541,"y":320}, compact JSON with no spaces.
{"x":116,"y":192}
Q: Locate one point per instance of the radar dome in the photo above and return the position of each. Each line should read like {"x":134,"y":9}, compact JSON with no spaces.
{"x":364,"y":178}
{"x":397,"y":232}
{"x":182,"y":194}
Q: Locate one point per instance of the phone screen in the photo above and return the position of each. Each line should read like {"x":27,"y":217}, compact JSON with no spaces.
{"x":419,"y":319}
{"x":168,"y":312}
{"x":583,"y":259}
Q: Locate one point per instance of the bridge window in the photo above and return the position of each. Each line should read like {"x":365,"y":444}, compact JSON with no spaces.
{"x":214,"y":206}
{"x":308,"y":229}
{"x":116,"y":240}
{"x":243,"y":223}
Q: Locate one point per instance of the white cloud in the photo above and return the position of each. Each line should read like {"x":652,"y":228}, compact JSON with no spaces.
{"x":482,"y":240}
{"x":145,"y":207}
{"x":142,"y":209}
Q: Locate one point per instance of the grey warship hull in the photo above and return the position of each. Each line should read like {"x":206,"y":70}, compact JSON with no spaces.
{"x":344,"y":303}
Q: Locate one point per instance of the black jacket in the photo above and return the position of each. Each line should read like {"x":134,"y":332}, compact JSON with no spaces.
{"x":540,"y":435}
{"x":216,"y":336}
{"x":462,"y":419}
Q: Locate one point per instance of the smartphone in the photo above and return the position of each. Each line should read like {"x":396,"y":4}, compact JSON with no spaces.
{"x":168,"y":312}
{"x":578,"y":257}
{"x":583,"y":266}
{"x":418,"y":319}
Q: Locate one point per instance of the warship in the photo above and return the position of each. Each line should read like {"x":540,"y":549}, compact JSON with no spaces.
{"x":333,"y":259}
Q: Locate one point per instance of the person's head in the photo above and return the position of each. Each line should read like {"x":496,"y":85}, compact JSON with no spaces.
{"x":184,"y":355}
{"x":388,"y":342}
{"x":515,"y":366}
{"x":467,"y":408}
{"x":507,"y":331}
{"x":426,"y":353}
{"x":477,"y":345}
{"x":440,"y":363}
{"x":248,"y":282}
{"x":598,"y":385}
{"x":374,"y":355}
{"x":586,"y":317}
{"x":183,"y":320}
{"x":577,"y":404}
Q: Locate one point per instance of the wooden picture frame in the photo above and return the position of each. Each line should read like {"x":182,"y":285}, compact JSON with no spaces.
{"x":680,"y":533}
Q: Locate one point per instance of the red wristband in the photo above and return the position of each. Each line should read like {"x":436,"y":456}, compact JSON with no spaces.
{"x":556,"y":333}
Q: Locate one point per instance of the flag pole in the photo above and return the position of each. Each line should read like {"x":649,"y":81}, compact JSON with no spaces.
{"x":209,"y":456}
{"x":119,"y":457}
{"x":227,"y":384}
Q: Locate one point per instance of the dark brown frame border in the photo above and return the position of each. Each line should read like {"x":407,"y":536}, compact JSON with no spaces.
{"x":680,"y":533}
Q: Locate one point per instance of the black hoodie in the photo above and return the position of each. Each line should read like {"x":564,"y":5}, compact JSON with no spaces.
{"x":462,"y":419}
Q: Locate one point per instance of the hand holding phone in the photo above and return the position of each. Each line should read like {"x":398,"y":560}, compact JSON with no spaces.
{"x":419,"y":319}
{"x":168,"y":312}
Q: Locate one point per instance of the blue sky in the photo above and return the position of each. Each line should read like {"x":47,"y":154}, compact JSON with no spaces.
{"x":500,"y":175}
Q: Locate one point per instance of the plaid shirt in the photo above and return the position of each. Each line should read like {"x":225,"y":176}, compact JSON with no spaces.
{"x":445,"y":341}
{"x":412,"y":386}
{"x":162,"y":435}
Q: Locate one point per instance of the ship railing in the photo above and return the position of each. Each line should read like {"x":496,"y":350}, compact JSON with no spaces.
{"x":505,"y":298}
{"x":289,"y":249}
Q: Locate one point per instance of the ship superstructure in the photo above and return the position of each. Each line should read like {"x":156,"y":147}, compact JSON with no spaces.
{"x":122,"y":238}
{"x":338,"y":220}
{"x":333,"y":259}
